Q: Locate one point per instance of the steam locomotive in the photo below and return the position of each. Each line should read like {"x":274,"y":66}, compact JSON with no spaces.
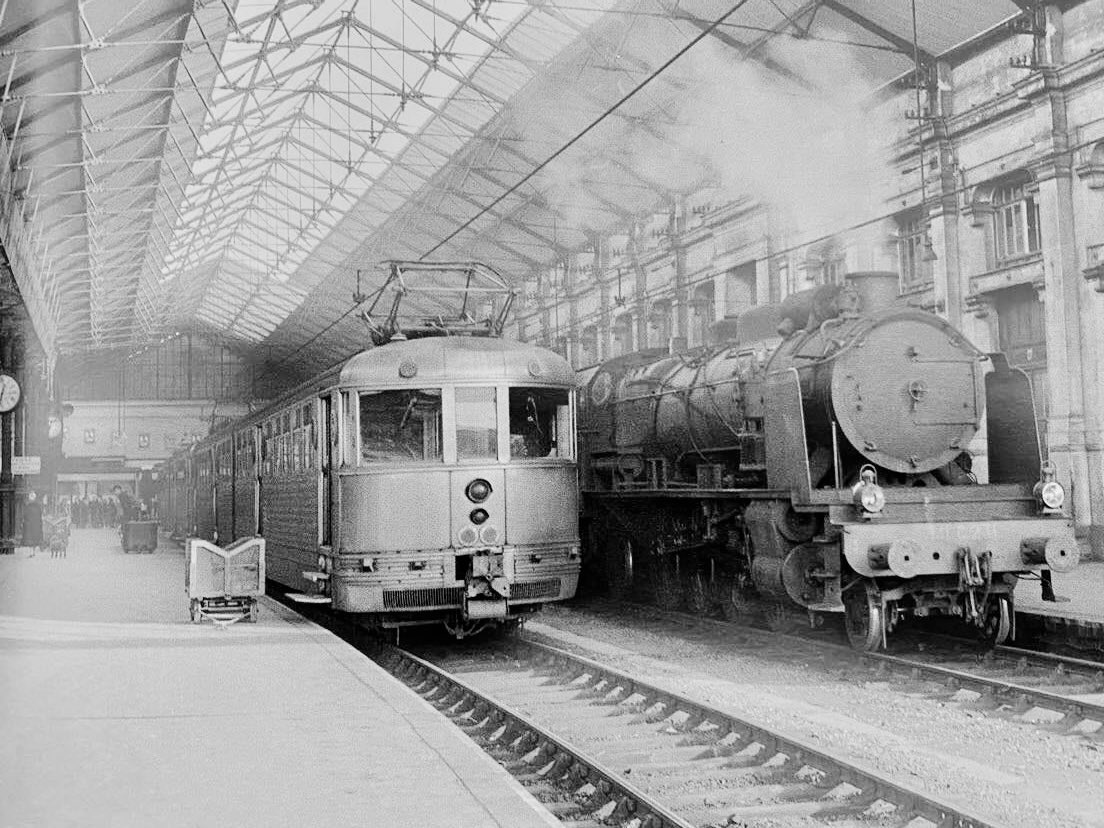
{"x":822,"y":453}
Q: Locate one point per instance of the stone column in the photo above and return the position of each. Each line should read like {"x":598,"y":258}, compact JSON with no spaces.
{"x":1091,"y":175}
{"x":1066,"y":378}
{"x":950,"y":278}
{"x":682,"y":295}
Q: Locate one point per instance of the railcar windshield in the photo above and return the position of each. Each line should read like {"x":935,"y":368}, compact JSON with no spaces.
{"x":400,"y":426}
{"x":540,"y":423}
{"x":476,"y":424}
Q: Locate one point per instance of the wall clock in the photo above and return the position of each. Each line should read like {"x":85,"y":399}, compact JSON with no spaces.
{"x":10,"y":392}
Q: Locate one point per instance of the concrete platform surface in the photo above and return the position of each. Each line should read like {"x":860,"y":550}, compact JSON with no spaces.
{"x":115,"y":710}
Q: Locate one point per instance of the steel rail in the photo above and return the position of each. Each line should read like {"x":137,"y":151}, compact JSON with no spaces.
{"x":909,"y":801}
{"x":487,"y":712}
{"x":997,"y":687}
{"x":1065,"y":661}
{"x":992,"y":686}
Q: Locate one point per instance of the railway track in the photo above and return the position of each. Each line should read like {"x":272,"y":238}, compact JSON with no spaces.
{"x":628,"y":753}
{"x":1051,"y":690}
{"x":1070,"y":690}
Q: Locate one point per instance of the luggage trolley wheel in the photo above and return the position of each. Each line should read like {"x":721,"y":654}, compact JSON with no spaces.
{"x":196,"y":611}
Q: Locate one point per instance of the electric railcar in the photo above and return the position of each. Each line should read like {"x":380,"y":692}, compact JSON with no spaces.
{"x":428,"y":480}
{"x":822,"y":454}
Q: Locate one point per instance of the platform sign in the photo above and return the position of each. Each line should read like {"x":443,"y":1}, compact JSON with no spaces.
{"x":26,"y":464}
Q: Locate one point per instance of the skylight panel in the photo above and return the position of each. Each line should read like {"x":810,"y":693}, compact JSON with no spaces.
{"x":311,"y":106}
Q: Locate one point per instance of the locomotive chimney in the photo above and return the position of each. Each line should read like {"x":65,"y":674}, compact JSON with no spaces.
{"x":877,"y":289}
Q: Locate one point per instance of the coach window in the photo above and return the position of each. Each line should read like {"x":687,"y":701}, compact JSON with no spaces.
{"x":476,"y":424}
{"x":400,"y":426}
{"x":539,"y":423}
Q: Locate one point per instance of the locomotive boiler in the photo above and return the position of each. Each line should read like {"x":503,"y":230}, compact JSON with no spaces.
{"x":826,"y":451}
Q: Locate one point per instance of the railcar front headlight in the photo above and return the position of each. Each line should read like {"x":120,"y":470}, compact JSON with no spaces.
{"x":478,"y":490}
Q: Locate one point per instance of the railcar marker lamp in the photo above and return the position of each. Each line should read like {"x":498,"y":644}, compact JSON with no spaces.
{"x":1048,"y":491}
{"x":867,"y":494}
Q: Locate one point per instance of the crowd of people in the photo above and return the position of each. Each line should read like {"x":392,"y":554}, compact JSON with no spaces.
{"x":108,"y":510}
{"x":91,"y":511}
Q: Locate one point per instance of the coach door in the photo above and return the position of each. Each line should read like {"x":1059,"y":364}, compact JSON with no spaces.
{"x":328,"y":438}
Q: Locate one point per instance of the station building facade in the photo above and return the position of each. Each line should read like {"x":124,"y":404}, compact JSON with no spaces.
{"x":992,"y":214}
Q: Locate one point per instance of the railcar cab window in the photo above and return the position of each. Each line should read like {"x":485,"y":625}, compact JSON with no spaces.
{"x":476,"y":424}
{"x":539,"y":423}
{"x":400,"y":426}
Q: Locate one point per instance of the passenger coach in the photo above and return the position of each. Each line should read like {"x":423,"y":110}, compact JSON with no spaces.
{"x":423,"y":481}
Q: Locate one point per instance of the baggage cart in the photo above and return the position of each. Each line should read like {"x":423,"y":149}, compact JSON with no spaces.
{"x":55,"y":531}
{"x":139,"y":535}
{"x":223,"y":583}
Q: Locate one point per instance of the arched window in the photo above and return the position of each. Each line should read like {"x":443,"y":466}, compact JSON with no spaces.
{"x":913,"y":249}
{"x":588,"y":346}
{"x":659,"y":323}
{"x":826,"y":263}
{"x":702,"y":311}
{"x":1015,"y":221}
{"x":1008,"y":209}
{"x":623,"y":334}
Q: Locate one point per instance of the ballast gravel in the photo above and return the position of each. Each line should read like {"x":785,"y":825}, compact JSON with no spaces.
{"x":993,"y":764}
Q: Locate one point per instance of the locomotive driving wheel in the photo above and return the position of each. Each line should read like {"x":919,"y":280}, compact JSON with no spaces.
{"x":997,"y":624}
{"x":864,"y":616}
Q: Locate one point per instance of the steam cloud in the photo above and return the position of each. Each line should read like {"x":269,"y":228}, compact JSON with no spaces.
{"x":808,"y":143}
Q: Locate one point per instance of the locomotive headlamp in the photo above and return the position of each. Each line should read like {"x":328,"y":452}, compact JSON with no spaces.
{"x":1048,"y":491}
{"x":478,"y":516}
{"x":867,"y":494}
{"x":478,"y":490}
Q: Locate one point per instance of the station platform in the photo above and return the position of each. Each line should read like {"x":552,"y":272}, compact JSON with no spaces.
{"x":116,"y":710}
{"x":1080,"y":619}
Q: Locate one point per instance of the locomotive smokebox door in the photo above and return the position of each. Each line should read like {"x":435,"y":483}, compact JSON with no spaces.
{"x":906,"y":393}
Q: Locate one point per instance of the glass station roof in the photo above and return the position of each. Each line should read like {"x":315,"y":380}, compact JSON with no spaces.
{"x":238,"y":168}
{"x":311,"y":105}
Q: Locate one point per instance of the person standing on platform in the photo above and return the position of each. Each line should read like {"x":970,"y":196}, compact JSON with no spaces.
{"x":125,"y":508}
{"x":32,"y":523}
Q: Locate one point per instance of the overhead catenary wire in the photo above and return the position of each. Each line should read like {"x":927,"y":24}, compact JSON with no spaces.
{"x":610,"y":110}
{"x":513,"y":188}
